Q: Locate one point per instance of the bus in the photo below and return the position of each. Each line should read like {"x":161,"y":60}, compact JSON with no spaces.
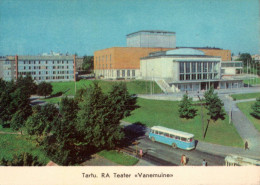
{"x":234,"y":160}
{"x":174,"y":138}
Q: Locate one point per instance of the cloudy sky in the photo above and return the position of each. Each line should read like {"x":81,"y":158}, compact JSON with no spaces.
{"x":83,"y":26}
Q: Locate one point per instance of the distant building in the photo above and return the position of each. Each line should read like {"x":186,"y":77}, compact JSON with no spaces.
{"x":151,"y":39}
{"x":48,"y":68}
{"x":231,"y":67}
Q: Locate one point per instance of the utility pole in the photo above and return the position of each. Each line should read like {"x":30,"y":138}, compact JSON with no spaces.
{"x":247,"y":74}
{"x":202,"y":119}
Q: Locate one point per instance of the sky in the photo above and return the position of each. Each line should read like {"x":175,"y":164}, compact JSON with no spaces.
{"x":84,"y":26}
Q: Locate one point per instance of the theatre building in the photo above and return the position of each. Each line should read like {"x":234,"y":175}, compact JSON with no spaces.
{"x":185,"y":69}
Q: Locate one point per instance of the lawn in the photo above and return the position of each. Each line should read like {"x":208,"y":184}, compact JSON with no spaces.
{"x":165,"y":113}
{"x":245,"y":107}
{"x":133,"y":86}
{"x":11,"y":144}
{"x":119,"y":158}
{"x":245,"y":96}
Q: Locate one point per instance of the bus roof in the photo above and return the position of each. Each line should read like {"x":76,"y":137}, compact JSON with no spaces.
{"x":172,"y":131}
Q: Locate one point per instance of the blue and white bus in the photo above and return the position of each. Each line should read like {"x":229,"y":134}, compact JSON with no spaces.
{"x":174,"y":138}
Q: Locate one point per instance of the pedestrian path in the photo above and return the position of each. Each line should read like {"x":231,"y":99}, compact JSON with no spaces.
{"x":244,"y":127}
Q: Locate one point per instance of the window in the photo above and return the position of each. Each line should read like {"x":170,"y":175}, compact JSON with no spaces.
{"x":24,"y":67}
{"x":172,"y":136}
{"x":193,"y":76}
{"x":193,"y":67}
{"x":204,"y":67}
{"x":210,"y":76}
{"x":123,"y":73}
{"x":183,"y":139}
{"x":46,"y":62}
{"x":182,"y":77}
{"x":188,"y":77}
{"x":204,"y":76}
{"x":128,"y":72}
{"x":181,"y":67}
{"x":177,"y":137}
{"x":118,"y":73}
{"x":156,"y":132}
{"x":210,"y":66}
{"x":187,"y":67}
{"x":167,"y":135}
{"x":199,"y":66}
{"x":133,"y":72}
{"x":199,"y":76}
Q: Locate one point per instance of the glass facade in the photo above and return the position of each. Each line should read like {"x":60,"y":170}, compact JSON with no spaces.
{"x":198,"y":70}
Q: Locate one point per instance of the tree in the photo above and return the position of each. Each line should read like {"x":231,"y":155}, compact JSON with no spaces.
{"x":88,"y":63}
{"x":41,"y":122}
{"x":256,"y":109}
{"x":121,"y":101}
{"x":44,"y":89}
{"x":186,"y":110}
{"x":63,"y":146}
{"x":23,"y":159}
{"x":214,"y":105}
{"x":245,"y":57}
{"x":27,"y":84}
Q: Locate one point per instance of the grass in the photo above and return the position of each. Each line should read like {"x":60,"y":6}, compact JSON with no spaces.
{"x":165,"y":113}
{"x":11,"y":144}
{"x":133,"y":86}
{"x":119,"y":158}
{"x":245,"y":96}
{"x":245,"y":107}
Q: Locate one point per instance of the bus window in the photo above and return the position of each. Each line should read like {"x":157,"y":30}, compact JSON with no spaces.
{"x":167,"y":135}
{"x":177,"y":137}
{"x":172,"y":136}
{"x":152,"y":131}
{"x":161,"y":133}
{"x":156,"y":132}
{"x":189,"y":140}
{"x":183,"y":139}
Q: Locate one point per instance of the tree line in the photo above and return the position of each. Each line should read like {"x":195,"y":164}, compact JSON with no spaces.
{"x":79,"y":127}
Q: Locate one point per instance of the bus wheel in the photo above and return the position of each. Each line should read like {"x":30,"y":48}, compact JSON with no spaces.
{"x":153,"y":140}
{"x":174,"y":145}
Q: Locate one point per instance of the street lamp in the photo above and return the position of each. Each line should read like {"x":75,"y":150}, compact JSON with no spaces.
{"x":202,"y":120}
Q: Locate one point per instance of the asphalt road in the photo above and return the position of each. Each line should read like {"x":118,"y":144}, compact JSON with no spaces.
{"x":167,"y":153}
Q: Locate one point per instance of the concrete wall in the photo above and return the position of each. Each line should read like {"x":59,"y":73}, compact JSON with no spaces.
{"x":159,"y":68}
{"x":152,"y":40}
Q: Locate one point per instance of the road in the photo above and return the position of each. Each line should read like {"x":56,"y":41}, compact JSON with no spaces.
{"x":167,"y":153}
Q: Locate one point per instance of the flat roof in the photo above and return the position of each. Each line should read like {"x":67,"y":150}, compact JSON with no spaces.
{"x":61,"y":57}
{"x":151,"y":31}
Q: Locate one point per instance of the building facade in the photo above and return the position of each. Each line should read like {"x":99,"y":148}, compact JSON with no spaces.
{"x":185,"y":70}
{"x":41,"y":68}
{"x":151,"y":39}
{"x":231,"y":68}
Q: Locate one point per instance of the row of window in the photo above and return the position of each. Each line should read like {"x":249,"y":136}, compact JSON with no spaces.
{"x":45,"y":67}
{"x":232,"y":65}
{"x":45,"y":72}
{"x":45,"y":62}
{"x":171,"y":136}
{"x":52,"y":77}
{"x":194,"y":67}
{"x":125,"y":73}
{"x":199,"y":76}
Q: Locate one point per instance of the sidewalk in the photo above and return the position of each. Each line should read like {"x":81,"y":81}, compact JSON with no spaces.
{"x":244,"y":127}
{"x":226,"y":150}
